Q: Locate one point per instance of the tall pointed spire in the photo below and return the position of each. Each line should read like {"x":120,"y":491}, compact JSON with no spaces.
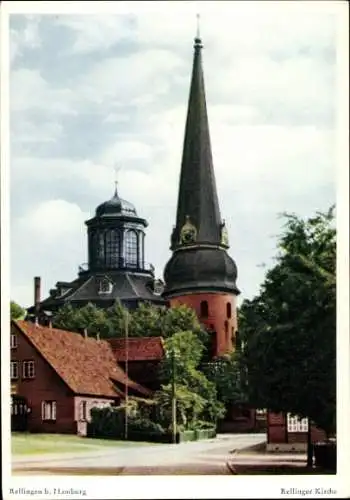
{"x":198,"y":204}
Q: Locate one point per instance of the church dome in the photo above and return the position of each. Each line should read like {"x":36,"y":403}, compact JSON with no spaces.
{"x":116,"y":206}
{"x":200,"y":269}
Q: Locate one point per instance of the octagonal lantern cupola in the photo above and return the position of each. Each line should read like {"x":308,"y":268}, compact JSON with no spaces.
{"x":116,"y":237}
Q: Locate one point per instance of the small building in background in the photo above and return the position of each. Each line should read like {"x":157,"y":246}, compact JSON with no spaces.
{"x":287,"y":432}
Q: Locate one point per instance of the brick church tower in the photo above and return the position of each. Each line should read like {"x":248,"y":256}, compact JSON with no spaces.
{"x":200,"y":273}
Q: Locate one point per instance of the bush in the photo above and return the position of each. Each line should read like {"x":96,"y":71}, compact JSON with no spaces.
{"x":110,"y":422}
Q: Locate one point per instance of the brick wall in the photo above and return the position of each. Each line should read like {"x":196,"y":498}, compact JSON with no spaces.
{"x":217,"y":320}
{"x":45,"y":386}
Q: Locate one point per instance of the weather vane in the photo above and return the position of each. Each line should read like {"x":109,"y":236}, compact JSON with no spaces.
{"x":116,"y":172}
{"x":198,"y":26}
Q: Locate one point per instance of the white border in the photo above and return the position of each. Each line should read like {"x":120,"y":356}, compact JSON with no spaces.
{"x":182,"y":486}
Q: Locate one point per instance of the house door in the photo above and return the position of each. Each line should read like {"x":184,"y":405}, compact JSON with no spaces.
{"x":19,"y":414}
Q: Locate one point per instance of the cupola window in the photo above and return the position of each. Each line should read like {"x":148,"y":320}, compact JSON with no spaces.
{"x":112,"y":248}
{"x":228,"y":310}
{"x":204,"y":309}
{"x":131,"y":249}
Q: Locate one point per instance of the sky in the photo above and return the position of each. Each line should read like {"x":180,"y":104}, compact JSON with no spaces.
{"x":92,"y":92}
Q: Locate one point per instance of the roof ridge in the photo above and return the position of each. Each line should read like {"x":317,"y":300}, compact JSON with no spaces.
{"x":132,"y":285}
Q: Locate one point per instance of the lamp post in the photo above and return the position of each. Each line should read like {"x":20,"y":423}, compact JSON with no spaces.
{"x":173,"y":399}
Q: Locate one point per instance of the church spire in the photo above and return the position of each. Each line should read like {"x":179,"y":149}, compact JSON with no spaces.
{"x":198,"y":220}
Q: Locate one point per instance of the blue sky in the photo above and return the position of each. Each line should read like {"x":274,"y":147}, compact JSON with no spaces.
{"x":88,"y":92}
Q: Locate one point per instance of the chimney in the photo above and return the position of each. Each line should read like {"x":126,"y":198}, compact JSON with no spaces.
{"x":85,"y":333}
{"x":37,"y":296}
{"x":97,"y":336}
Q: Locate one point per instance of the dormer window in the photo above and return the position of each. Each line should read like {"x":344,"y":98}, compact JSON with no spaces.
{"x":105,"y":286}
{"x":158,"y":287}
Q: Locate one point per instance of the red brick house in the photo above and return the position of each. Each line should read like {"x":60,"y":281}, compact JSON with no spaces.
{"x":286,"y":432}
{"x":58,"y":376}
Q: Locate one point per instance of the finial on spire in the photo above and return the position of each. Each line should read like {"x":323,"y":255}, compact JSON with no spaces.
{"x":197,"y":40}
{"x":116,"y":172}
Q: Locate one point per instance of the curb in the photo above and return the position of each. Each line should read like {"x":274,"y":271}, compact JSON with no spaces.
{"x":231,"y":469}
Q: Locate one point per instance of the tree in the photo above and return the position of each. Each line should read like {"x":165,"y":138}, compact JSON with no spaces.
{"x":289,"y":329}
{"x":180,"y":319}
{"x":117,"y":318}
{"x":16,"y":311}
{"x":89,"y":318}
{"x":67,"y":318}
{"x":147,"y":321}
{"x":183,"y":354}
{"x":226,"y":374}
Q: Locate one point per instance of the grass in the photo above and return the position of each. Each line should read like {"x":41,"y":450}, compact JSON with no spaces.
{"x":37,"y":444}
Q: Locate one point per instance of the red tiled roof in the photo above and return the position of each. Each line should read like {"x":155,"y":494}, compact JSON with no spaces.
{"x":86,"y":365}
{"x":139,"y":348}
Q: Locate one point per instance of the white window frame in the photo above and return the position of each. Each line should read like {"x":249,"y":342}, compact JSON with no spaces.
{"x":28,"y":369}
{"x":297,"y":424}
{"x":14,"y":370}
{"x":13,"y":341}
{"x":83,"y":411}
{"x":48,"y":410}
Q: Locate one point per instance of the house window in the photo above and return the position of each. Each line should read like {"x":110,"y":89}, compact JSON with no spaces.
{"x":48,"y":410}
{"x":14,"y":370}
{"x":83,"y":410}
{"x":204,"y":309}
{"x":228,"y":309}
{"x":13,"y":341}
{"x":296,"y":424}
{"x":131,"y":249}
{"x":28,"y":369}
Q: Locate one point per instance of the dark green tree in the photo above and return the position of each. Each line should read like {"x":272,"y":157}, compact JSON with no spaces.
{"x":147,"y":321}
{"x":288,"y":331}
{"x":16,"y":311}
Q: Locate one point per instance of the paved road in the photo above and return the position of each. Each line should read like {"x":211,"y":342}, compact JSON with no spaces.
{"x":201,"y":457}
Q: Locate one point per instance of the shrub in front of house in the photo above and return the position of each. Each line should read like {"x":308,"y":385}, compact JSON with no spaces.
{"x":109,"y":423}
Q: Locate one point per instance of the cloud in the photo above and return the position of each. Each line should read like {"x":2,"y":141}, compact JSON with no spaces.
{"x":26,"y":38}
{"x":117,"y":95}
{"x":52,"y":220}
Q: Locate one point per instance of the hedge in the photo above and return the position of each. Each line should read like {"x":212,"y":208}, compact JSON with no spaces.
{"x":155,"y":437}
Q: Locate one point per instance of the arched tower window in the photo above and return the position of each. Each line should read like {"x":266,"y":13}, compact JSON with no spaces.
{"x":228,"y":309}
{"x":112,"y":248}
{"x":100,"y":248}
{"x":204,"y":309}
{"x":131,"y":249}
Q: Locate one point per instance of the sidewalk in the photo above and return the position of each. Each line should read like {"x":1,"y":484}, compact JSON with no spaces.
{"x":271,"y":464}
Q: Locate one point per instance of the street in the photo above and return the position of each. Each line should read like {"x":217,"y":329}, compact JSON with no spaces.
{"x":200,"y":457}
